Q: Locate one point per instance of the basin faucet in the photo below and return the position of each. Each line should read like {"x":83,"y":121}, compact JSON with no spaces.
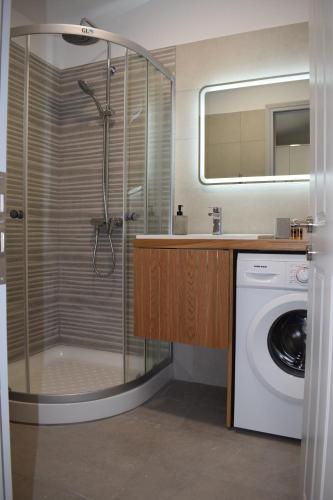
{"x":216,"y":213}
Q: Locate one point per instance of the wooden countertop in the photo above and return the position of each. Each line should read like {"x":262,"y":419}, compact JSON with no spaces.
{"x":260,"y":245}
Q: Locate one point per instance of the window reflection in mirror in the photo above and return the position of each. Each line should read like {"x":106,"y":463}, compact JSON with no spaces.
{"x":291,"y":140}
{"x":255,"y":131}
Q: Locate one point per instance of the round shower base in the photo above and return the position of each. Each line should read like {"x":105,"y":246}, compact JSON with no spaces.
{"x":64,"y":369}
{"x":74,"y":384}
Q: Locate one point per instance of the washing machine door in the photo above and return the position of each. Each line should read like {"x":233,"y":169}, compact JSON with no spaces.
{"x":276,"y":345}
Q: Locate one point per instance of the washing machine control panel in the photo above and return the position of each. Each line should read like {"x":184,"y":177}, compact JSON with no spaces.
{"x":289,"y":272}
{"x":298,"y":274}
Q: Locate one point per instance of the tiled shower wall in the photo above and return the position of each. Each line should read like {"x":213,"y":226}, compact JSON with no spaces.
{"x":43,"y":158}
{"x":90,"y":309}
{"x":67,"y":302}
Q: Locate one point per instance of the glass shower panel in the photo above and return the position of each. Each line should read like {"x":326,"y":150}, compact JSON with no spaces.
{"x":159,"y":161}
{"x":74,"y":313}
{"x":134,"y":202}
{"x":73,"y":109}
{"x":67,"y":328}
{"x":14,"y":222}
{"x":65,"y":151}
{"x":159,"y":152}
{"x":41,"y":215}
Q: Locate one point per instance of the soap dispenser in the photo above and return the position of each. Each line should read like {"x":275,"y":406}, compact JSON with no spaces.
{"x":180,"y":222}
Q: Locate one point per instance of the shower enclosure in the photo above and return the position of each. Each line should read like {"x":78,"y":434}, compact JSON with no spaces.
{"x":89,"y":167}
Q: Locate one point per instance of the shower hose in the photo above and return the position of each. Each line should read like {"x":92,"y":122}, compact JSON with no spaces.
{"x":104,"y":228}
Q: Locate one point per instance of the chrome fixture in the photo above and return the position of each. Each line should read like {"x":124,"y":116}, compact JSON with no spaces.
{"x":89,"y":92}
{"x":310,"y":253}
{"x":131,"y":216}
{"x":216,"y":213}
{"x":307,"y":224}
{"x":16,"y":214}
{"x":103,"y":226}
{"x":82,"y":39}
{"x":103,"y":112}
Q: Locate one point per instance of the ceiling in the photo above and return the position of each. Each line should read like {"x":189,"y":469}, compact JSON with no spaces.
{"x":161,"y":23}
{"x":70,"y":11}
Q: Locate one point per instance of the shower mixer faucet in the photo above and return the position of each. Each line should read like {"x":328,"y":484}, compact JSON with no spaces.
{"x":104,"y":228}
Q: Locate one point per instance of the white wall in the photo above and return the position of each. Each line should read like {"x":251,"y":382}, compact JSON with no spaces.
{"x":200,"y":364}
{"x":249,"y":207}
{"x":52,"y":48}
{"x":28,"y":12}
{"x":246,"y":208}
{"x":161,"y":23}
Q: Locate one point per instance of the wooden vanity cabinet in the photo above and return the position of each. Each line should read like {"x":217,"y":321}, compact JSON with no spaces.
{"x":183,"y":295}
{"x":184,"y":291}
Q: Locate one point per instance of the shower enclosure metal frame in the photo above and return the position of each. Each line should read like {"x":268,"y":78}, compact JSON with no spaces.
{"x":164,"y":366}
{"x":106,"y":36}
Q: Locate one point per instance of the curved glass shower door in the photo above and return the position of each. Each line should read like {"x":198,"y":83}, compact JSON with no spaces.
{"x":148,"y":192}
{"x":89,"y":167}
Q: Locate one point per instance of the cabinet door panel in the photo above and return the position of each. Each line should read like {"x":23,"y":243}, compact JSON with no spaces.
{"x":183,"y":295}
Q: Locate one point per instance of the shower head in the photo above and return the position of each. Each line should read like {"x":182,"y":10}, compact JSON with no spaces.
{"x":89,"y":91}
{"x":81,"y":39}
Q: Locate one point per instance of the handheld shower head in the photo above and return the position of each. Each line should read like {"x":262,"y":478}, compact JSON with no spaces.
{"x":85,"y":88}
{"x":89,"y":92}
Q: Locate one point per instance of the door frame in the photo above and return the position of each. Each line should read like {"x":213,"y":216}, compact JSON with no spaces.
{"x":5,"y":462}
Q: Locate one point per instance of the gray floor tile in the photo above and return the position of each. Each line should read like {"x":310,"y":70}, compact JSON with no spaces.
{"x":175,"y":446}
{"x":34,"y":489}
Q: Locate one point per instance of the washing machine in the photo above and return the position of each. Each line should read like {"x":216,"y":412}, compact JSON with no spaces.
{"x":271,"y":327}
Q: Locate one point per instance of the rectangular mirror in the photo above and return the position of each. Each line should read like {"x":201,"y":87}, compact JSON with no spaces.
{"x":255,"y":131}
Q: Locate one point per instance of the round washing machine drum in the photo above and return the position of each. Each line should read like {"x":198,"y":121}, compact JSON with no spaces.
{"x":276,"y":345}
{"x":286,"y":341}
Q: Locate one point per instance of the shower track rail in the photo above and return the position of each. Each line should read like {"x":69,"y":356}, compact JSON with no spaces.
{"x":107,"y":36}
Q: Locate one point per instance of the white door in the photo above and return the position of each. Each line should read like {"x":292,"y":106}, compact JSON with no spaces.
{"x":317,"y":482}
{"x":5,"y":468}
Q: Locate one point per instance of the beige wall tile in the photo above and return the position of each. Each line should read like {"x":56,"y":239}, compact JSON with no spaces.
{"x":246,"y":208}
{"x":253,"y":125}
{"x":223,"y":128}
{"x":252,"y":158}
{"x":273,"y":51}
{"x":223,"y":160}
{"x":187,"y":114}
{"x":252,"y":207}
{"x":300,"y":159}
{"x":282,"y":166}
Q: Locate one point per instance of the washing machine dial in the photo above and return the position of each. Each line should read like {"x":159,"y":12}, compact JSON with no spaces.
{"x":302,"y":274}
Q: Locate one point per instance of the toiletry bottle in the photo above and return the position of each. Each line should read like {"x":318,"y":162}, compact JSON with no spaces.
{"x":180,"y":222}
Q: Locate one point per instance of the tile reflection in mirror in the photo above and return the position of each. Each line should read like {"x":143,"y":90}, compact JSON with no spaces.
{"x":255,"y":130}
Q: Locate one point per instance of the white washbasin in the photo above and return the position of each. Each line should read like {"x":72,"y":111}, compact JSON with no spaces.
{"x":225,"y":236}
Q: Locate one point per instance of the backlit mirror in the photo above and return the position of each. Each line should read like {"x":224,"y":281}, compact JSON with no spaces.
{"x":255,"y":131}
